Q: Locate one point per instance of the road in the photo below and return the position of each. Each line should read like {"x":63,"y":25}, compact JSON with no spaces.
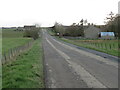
{"x":69,"y":67}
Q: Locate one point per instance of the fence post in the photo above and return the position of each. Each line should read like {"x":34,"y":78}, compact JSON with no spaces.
{"x":105,"y":46}
{"x":5,"y":58}
{"x":9,"y":54}
{"x":113,"y":46}
{"x":15,"y":52}
{"x":101,"y":45}
{"x":110,"y":46}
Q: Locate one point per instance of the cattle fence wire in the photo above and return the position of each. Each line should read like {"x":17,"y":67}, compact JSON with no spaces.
{"x":98,"y":45}
{"x":14,"y":52}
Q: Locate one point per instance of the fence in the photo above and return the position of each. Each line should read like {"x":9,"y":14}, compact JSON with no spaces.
{"x":12,"y":53}
{"x":110,"y":47}
{"x":106,"y":46}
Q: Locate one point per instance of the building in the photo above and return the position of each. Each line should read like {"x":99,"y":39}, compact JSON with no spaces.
{"x":29,"y":27}
{"x":20,"y":29}
{"x":91,"y":32}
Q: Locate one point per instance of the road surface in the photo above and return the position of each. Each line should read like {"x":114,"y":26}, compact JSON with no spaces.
{"x":69,"y":67}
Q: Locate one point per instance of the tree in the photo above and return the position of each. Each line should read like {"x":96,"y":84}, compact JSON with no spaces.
{"x":59,"y":28}
{"x":85,"y":21}
{"x":81,"y":22}
{"x":112,"y":24}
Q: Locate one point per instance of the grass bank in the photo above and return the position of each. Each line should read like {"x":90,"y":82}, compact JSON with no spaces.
{"x":26,"y":71}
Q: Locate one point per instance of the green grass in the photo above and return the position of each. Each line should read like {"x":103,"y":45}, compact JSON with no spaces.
{"x":99,"y":45}
{"x":9,"y":43}
{"x":12,"y":39}
{"x":12,"y":34}
{"x":26,"y":71}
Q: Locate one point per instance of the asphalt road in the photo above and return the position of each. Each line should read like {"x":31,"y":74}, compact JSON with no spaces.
{"x":70,"y":67}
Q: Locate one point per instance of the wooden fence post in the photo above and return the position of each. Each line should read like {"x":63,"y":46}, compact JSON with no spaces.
{"x":15,"y":52}
{"x":110,"y":46}
{"x":5,"y":57}
{"x":105,"y":46}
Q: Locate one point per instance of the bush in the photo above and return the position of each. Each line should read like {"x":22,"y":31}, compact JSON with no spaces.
{"x":34,"y":33}
{"x":59,"y":28}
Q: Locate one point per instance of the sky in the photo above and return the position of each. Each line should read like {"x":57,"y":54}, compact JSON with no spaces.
{"x":47,"y":12}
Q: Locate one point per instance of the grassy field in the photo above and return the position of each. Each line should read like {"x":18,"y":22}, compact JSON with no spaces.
{"x":106,"y":46}
{"x":26,"y":71}
{"x":12,"y":39}
{"x":6,"y":33}
{"x":8,"y":43}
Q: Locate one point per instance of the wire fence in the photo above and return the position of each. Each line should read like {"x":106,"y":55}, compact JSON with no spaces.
{"x":106,"y":46}
{"x":14,"y":52}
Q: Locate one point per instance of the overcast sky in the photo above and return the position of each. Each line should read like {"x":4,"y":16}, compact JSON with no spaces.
{"x":47,"y":12}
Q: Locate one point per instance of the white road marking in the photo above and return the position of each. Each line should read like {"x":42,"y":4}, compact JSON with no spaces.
{"x":89,"y":54}
{"x":50,"y":70}
{"x":60,"y":52}
{"x":52,"y":83}
{"x":90,"y":80}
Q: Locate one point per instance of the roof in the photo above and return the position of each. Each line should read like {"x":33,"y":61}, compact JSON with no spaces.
{"x":107,"y":33}
{"x":29,"y":26}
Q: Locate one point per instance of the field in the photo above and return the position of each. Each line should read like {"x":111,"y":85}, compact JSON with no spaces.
{"x":26,"y":71}
{"x":8,"y":43}
{"x":12,"y":39}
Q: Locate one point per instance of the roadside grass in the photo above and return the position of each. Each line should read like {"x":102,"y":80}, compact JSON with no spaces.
{"x":99,"y":45}
{"x":106,"y":46}
{"x":26,"y":71}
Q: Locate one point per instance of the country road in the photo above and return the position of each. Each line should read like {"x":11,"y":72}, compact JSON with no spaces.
{"x":69,"y":67}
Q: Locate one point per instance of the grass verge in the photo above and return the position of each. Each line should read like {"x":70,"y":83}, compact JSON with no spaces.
{"x":86,"y":45}
{"x":26,"y":71}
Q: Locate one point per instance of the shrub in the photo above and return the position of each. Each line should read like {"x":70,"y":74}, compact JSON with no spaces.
{"x":34,"y":33}
{"x":59,"y":28}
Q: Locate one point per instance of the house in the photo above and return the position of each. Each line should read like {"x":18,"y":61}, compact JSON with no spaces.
{"x":20,"y":29}
{"x":29,"y":27}
{"x":107,"y":35}
{"x":91,"y":32}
